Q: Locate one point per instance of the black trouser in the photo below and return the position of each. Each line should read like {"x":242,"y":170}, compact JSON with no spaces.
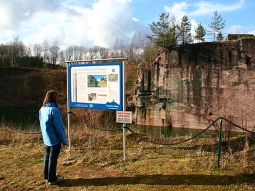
{"x":50,"y":162}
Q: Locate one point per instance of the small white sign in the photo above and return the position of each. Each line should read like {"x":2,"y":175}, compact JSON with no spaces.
{"x":124,"y":116}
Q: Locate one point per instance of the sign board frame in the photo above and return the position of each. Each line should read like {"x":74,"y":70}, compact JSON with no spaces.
{"x":96,"y":86}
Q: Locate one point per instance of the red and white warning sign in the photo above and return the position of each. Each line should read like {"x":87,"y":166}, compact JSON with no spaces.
{"x":124,"y":116}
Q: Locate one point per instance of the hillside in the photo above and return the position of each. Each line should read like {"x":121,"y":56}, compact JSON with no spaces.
{"x":26,"y":87}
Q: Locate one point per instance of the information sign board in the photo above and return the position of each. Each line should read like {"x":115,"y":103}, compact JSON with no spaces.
{"x":96,"y":86}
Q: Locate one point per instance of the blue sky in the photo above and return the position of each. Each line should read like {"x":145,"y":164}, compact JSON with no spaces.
{"x":100,"y":22}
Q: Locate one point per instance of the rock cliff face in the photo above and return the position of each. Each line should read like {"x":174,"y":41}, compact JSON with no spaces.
{"x":191,"y":86}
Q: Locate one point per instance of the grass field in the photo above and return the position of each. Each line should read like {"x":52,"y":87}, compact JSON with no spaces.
{"x":96,"y":163}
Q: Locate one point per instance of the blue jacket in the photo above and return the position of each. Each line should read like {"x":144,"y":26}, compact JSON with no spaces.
{"x":52,"y":126}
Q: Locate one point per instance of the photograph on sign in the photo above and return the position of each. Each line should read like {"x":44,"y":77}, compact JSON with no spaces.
{"x":97,"y":86}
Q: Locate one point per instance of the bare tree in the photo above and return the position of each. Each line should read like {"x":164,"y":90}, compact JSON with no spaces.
{"x":75,"y":52}
{"x":38,"y":49}
{"x":46,"y":52}
{"x":130,"y":52}
{"x":134,"y":50}
{"x":81,"y":51}
{"x":15,"y":50}
{"x":62,"y":58}
{"x":94,"y":52}
{"x":118,"y":49}
{"x":28,"y":51}
{"x":69,"y":53}
{"x":140,"y":40}
{"x":3,"y":55}
{"x":54,"y":52}
{"x":104,"y":53}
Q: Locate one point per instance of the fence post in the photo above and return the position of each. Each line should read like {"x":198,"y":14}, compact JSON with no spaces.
{"x":219,"y":143}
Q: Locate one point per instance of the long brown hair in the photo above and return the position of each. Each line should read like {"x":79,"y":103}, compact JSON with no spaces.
{"x":51,"y":96}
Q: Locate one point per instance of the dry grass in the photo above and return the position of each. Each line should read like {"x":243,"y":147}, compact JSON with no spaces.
{"x":96,"y":158}
{"x":96,"y":163}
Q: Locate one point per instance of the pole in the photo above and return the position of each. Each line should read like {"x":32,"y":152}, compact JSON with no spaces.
{"x":124,"y":141}
{"x":124,"y":109}
{"x":69,"y":134}
{"x":68,"y":110}
{"x":219,"y":143}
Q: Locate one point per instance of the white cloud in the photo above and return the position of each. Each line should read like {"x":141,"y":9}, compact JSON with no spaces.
{"x":110,"y":19}
{"x":251,"y":32}
{"x":178,"y":10}
{"x":5,"y":19}
{"x":207,"y":8}
{"x":68,"y":21}
{"x":135,"y":19}
{"x":201,"y":8}
{"x":16,"y":12}
{"x":235,"y":29}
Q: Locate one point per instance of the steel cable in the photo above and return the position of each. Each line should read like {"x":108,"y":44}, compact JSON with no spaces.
{"x":137,"y":134}
{"x":174,"y":143}
{"x":238,"y":126}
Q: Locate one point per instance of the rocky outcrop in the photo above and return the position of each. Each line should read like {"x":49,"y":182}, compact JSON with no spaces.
{"x":190,"y":86}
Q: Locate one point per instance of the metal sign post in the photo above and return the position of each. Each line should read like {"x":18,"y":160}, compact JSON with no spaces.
{"x":68,"y":112}
{"x":124,"y":109}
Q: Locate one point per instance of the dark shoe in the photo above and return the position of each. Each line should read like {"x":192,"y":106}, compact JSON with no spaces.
{"x":59,"y":179}
{"x":48,"y":181}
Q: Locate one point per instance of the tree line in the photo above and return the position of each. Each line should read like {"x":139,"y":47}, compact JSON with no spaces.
{"x":165,"y":33}
{"x":16,"y":53}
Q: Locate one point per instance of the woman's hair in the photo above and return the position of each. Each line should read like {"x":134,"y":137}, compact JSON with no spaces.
{"x":51,"y":96}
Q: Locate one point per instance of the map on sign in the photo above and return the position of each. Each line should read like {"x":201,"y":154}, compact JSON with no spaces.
{"x":97,"y":86}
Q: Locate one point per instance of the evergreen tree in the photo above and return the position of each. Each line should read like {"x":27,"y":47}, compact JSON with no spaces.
{"x":163,"y":34}
{"x":217,"y":24}
{"x":200,"y":33}
{"x":219,"y":36}
{"x":184,"y":31}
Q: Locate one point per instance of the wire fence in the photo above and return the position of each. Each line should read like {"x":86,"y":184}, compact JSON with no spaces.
{"x":142,"y":137}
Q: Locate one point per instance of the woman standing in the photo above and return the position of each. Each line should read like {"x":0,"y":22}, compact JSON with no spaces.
{"x":53,"y":132}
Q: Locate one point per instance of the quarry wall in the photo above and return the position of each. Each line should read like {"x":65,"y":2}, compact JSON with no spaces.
{"x":190,"y":86}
